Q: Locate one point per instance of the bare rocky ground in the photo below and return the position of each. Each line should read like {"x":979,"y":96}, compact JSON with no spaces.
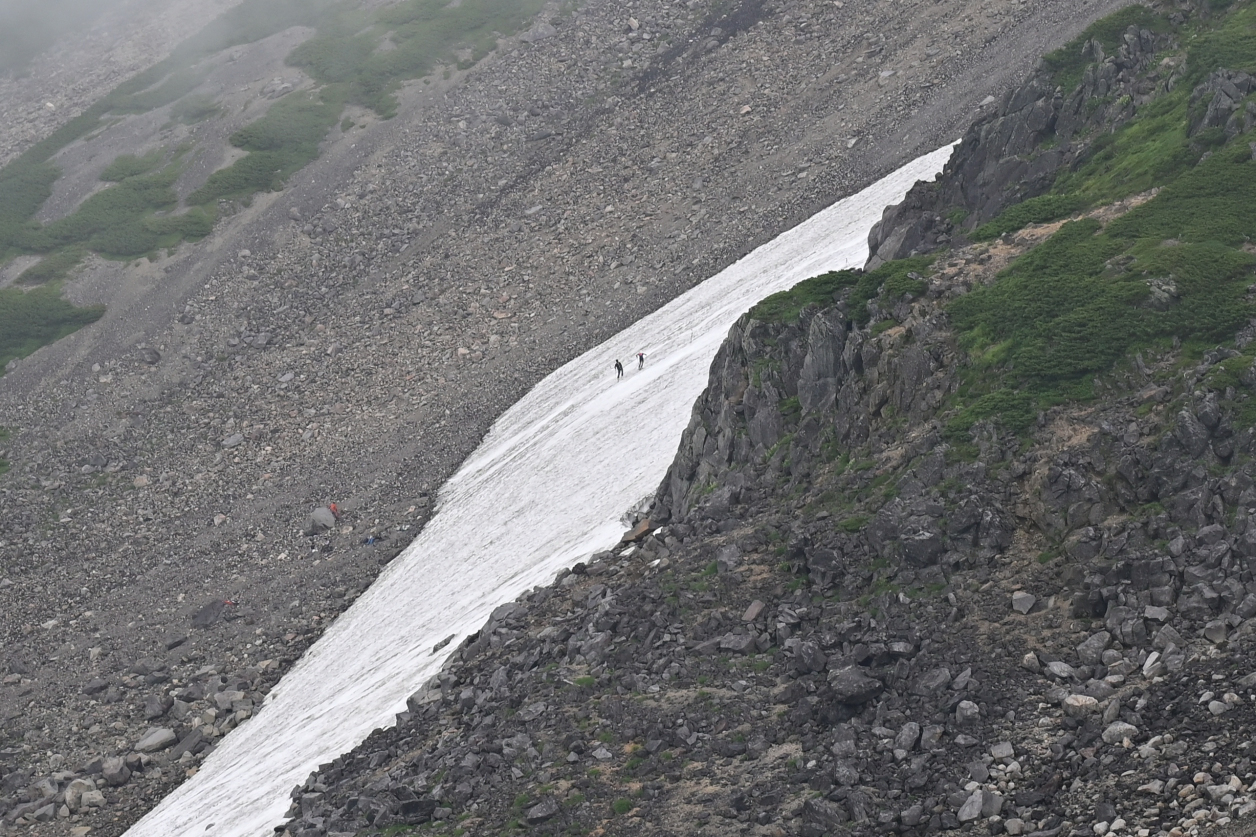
{"x":352,"y":338}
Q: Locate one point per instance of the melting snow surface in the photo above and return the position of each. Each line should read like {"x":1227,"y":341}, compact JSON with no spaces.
{"x":546,"y":488}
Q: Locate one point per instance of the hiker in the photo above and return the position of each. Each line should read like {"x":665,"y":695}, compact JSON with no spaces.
{"x":619,"y":370}
{"x":640,"y":360}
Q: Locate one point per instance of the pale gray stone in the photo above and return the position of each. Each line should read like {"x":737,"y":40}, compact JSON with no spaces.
{"x":1118,"y":731}
{"x":1023,"y":602}
{"x":157,"y":738}
{"x":971,"y":809}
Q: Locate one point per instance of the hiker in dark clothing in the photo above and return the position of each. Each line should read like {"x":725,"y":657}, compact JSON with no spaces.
{"x":641,"y":360}
{"x":619,"y":370}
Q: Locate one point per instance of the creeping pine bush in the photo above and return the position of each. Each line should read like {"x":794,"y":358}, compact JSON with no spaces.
{"x":279,"y":143}
{"x":30,"y":319}
{"x":1177,"y":266}
{"x":1037,"y":210}
{"x":1082,"y":300}
{"x":891,"y":280}
{"x":128,"y":165}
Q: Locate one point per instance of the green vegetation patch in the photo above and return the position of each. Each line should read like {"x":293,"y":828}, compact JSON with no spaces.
{"x":1228,"y":42}
{"x":191,"y":109}
{"x":24,"y":186}
{"x":120,"y":221}
{"x":1072,"y":307}
{"x":128,"y":165}
{"x":1177,"y":266}
{"x":1039,"y":210}
{"x":53,"y":267}
{"x":111,"y":221}
{"x":1153,"y":149}
{"x":1149,"y":151}
{"x":34,"y":318}
{"x":892,"y":280}
{"x":280,"y":143}
{"x":358,"y":56}
{"x":370,"y":57}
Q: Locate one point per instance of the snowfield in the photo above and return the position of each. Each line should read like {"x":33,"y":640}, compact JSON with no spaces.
{"x":546,"y":488}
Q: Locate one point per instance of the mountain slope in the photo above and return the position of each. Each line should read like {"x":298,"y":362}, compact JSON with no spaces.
{"x":341,"y":340}
{"x":872,"y":597}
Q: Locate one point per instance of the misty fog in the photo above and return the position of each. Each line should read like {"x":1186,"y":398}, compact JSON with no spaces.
{"x":28,"y":27}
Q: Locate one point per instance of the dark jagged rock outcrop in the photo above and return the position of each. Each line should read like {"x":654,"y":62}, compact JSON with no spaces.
{"x":1001,"y":159}
{"x":838,"y":381}
{"x":1219,"y":103}
{"x":360,"y":330}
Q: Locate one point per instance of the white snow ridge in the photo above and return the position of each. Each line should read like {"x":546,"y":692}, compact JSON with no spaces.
{"x":546,"y":488}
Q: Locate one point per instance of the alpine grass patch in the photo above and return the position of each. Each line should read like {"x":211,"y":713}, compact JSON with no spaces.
{"x":1173,"y":267}
{"x":892,"y":280}
{"x":33,"y":318}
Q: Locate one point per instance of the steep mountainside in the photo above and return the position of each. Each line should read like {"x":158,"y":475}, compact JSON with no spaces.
{"x":351,"y":337}
{"x":906,"y":575}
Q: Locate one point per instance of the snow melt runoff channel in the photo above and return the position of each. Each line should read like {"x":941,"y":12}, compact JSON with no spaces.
{"x":546,"y":488}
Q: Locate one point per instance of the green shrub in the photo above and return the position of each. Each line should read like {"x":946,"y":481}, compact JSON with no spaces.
{"x":1039,"y":210}
{"x":1213,"y":203}
{"x":1229,"y":42}
{"x":194,"y":224}
{"x":893,"y":279}
{"x":128,"y":165}
{"x":111,"y":221}
{"x":24,"y":186}
{"x":897,"y":280}
{"x":280,"y":143}
{"x":1151,"y":150}
{"x":822,"y":290}
{"x":53,"y":267}
{"x":34,"y":318}
{"x":621,"y":806}
{"x":1085,"y":298}
{"x":194,"y":109}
